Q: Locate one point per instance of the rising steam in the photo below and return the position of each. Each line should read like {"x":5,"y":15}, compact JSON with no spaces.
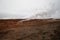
{"x":29,"y":9}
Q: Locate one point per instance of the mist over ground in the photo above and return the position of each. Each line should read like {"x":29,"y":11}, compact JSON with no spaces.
{"x":29,"y":9}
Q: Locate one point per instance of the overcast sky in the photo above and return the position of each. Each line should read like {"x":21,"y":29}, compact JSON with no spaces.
{"x":29,"y":8}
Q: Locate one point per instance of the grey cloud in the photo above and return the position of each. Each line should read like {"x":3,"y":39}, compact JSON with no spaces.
{"x":27,"y":9}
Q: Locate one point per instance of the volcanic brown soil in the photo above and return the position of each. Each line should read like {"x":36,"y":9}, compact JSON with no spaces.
{"x":35,"y":29}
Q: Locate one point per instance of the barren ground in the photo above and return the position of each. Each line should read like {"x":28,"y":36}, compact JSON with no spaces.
{"x":37,"y":29}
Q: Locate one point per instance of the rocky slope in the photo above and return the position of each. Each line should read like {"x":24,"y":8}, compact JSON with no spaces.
{"x":37,"y":29}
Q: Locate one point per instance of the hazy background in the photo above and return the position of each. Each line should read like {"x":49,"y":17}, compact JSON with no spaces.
{"x":29,"y":9}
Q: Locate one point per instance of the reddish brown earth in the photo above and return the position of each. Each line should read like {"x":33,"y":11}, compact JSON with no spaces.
{"x":37,"y":29}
